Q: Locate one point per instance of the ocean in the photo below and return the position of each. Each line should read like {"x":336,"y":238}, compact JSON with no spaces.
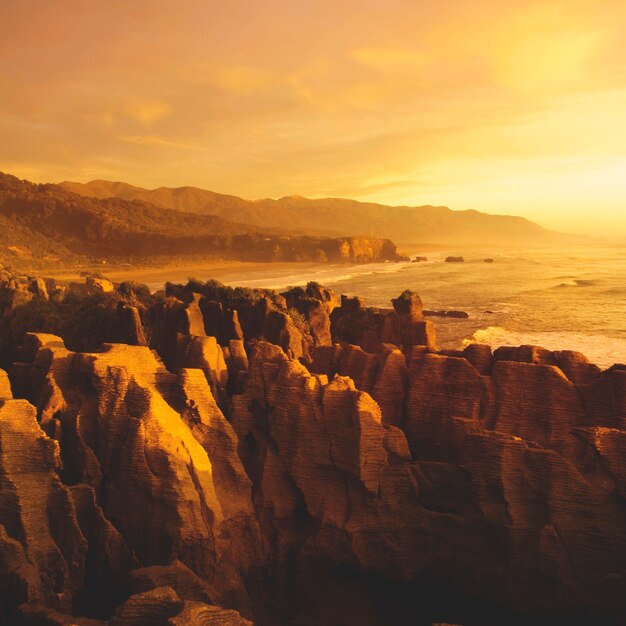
{"x":561,"y":299}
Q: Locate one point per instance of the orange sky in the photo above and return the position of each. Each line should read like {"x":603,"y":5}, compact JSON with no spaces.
{"x":507,"y":107}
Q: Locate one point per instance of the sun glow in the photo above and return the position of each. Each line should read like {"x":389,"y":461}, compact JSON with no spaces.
{"x":509,"y":107}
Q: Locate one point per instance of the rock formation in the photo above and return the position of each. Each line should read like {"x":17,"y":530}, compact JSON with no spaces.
{"x":403,"y":327}
{"x":158,"y":452}
{"x":272,"y":457}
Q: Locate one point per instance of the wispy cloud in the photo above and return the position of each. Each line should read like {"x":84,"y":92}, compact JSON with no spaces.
{"x":147,"y":113}
{"x":153,"y":140}
{"x":461,"y":103}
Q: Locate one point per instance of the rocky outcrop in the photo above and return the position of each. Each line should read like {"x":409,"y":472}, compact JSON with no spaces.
{"x":128,"y":327}
{"x":279,"y":328}
{"x":461,"y":315}
{"x":42,"y":548}
{"x":349,"y":463}
{"x":506,"y":454}
{"x":199,"y":614}
{"x":39,"y":288}
{"x":131,"y":432}
{"x":98,"y":285}
{"x":337,"y":438}
{"x":221,"y":323}
{"x":442,"y":389}
{"x":368,"y":328}
{"x":383,"y":375}
{"x":364,"y":249}
{"x":5,"y":386}
{"x":156,"y":606}
{"x":314,"y":304}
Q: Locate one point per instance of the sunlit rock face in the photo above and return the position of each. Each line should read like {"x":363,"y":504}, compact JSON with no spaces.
{"x":498,"y":478}
{"x":158,"y":453}
{"x":42,"y":549}
{"x":351,"y":451}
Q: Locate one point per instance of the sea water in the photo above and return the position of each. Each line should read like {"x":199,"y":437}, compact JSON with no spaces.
{"x":561,"y":299}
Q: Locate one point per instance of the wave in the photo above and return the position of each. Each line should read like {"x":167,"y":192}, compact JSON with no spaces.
{"x":578,"y":282}
{"x":599,"y":349}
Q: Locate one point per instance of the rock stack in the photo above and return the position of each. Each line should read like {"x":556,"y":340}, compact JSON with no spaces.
{"x":263,"y":456}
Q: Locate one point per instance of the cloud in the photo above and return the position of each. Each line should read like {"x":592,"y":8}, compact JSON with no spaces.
{"x":462,"y":103}
{"x":385,"y":58}
{"x":153,"y":140}
{"x":242,"y":80}
{"x":147,"y":113}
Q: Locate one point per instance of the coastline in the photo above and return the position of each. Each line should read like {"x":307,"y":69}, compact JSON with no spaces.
{"x":180,"y":271}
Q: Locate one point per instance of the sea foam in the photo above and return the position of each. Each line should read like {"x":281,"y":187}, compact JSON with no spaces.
{"x":599,"y":349}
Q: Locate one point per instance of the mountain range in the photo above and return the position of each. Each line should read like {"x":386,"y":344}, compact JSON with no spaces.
{"x":41,"y":224}
{"x":338,"y":216}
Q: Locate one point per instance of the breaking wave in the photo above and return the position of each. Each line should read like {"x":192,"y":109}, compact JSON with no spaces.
{"x":599,"y":349}
{"x":579,"y":282}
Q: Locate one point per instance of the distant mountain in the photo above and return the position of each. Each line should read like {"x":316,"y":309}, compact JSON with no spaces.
{"x":49,"y":223}
{"x":338,"y":216}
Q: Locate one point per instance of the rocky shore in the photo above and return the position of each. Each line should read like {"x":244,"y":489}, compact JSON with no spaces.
{"x":214,"y":455}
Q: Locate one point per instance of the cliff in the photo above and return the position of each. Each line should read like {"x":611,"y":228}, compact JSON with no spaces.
{"x":339,"y":216}
{"x":45,"y":224}
{"x":283,"y":458}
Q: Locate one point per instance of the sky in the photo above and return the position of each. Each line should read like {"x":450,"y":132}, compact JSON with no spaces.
{"x":510,"y":107}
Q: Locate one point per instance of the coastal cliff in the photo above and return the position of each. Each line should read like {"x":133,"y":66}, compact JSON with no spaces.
{"x":210,"y":455}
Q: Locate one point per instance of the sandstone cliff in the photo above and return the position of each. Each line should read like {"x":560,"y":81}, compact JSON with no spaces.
{"x":302,"y":462}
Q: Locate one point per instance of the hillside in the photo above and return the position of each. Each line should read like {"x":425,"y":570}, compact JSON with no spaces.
{"x":47,"y":223}
{"x":338,"y":216}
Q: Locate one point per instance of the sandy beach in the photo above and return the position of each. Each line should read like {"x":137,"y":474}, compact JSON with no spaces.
{"x":224,"y":271}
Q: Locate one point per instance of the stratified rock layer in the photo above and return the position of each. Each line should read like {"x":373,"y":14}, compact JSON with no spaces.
{"x":509,"y":492}
{"x":351,"y":445}
{"x":42,"y":549}
{"x":158,"y":452}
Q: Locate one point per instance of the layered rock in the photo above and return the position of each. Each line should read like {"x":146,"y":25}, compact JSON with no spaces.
{"x":161,"y":457}
{"x":510,"y":493}
{"x":42,"y":548}
{"x":330,"y":435}
{"x":126,"y":495}
{"x":221,"y":323}
{"x":5,"y":386}
{"x":383,"y":375}
{"x":128,"y":327}
{"x":404,"y":326}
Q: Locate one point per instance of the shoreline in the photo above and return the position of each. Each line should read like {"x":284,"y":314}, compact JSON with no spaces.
{"x":151,"y":274}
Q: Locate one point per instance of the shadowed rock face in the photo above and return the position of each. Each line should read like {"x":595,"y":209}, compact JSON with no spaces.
{"x":507,"y":482}
{"x":127,"y":495}
{"x":368,"y":328}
